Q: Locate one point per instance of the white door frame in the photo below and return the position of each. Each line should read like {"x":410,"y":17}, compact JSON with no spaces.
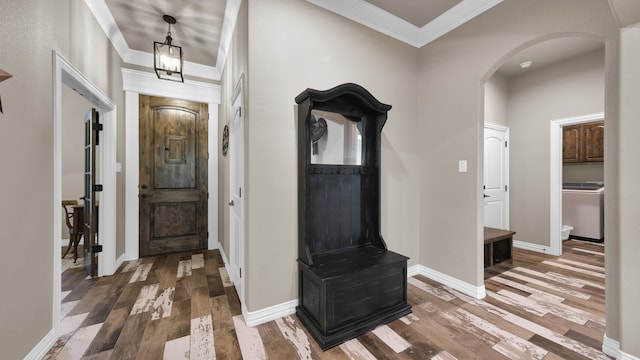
{"x":140,"y":82}
{"x":555,"y":181}
{"x":65,"y":73}
{"x":237,"y":100}
{"x":504,"y":129}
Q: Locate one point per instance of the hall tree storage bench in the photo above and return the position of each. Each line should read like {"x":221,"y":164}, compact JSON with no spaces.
{"x":349,"y":283}
{"x":498,"y":244}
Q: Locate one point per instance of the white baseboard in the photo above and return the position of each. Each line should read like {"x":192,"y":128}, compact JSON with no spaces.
{"x":610,"y":347}
{"x":532,"y":247}
{"x":477,"y":292}
{"x":625,"y":356}
{"x":224,"y":256}
{"x":120,"y":260}
{"x":255,"y":318}
{"x":43,"y":346}
{"x":413,"y":270}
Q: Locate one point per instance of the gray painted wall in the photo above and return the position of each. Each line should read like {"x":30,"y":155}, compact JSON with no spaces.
{"x":33,"y":30}
{"x":496,"y":91}
{"x":295,"y":45}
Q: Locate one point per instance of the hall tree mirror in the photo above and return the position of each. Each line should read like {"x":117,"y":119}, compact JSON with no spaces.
{"x":336,"y":139}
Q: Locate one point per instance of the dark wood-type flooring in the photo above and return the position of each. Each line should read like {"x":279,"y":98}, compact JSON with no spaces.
{"x":183,"y":306}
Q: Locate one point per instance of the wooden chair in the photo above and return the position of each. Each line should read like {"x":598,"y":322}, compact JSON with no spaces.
{"x":74,"y":234}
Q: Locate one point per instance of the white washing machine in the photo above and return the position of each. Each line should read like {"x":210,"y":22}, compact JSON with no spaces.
{"x":583,"y":209}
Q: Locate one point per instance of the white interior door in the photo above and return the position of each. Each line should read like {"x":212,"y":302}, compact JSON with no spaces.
{"x":496,"y":177}
{"x":236,"y":181}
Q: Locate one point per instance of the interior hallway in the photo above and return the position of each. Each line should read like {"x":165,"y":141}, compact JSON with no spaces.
{"x":183,"y":306}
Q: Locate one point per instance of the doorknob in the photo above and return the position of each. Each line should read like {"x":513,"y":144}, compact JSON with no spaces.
{"x":485,"y":195}
{"x":231,"y":203}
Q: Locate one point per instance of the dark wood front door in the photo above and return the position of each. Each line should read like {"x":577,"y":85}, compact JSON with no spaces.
{"x":173,"y":175}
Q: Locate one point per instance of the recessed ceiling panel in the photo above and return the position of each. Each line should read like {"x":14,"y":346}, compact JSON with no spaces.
{"x":416,"y":12}
{"x":198,"y":27}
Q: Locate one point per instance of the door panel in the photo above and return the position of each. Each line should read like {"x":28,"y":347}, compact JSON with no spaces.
{"x":236,"y":183}
{"x":173,"y":175}
{"x":496,"y":211}
{"x":90,"y":216}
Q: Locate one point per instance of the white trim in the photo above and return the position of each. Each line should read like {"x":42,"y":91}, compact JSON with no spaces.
{"x":477,"y":292}
{"x":380,"y":20}
{"x":258,"y":317}
{"x":108,"y":24}
{"x":413,"y":270}
{"x":531,"y":247}
{"x":555,"y":178}
{"x":231,"y":12}
{"x":148,"y":83}
{"x":624,"y":356}
{"x":134,"y":83}
{"x":212,"y":178}
{"x":132,"y":171}
{"x":610,"y":347}
{"x":41,"y":349}
{"x":65,"y":73}
{"x":120,"y":260}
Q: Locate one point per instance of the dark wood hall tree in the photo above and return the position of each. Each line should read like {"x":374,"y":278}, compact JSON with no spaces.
{"x":349,"y":282}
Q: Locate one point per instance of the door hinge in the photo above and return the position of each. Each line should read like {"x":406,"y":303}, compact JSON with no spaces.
{"x":505,"y":143}
{"x":239,"y":192}
{"x":97,"y":187}
{"x":207,"y":234}
{"x":240,"y":273}
{"x":240,"y":111}
{"x":96,"y":249}
{"x":97,"y":127}
{"x":506,"y":188}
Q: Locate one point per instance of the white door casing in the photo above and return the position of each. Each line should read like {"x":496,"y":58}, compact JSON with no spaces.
{"x":65,"y":74}
{"x":555,"y":172}
{"x":236,"y":184}
{"x":496,"y":176}
{"x":139,"y":82}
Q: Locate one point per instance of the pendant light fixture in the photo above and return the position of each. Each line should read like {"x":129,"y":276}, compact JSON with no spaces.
{"x":168,"y":61}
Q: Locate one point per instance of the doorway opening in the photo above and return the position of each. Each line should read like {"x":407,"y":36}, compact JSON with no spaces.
{"x":140,"y":82}
{"x":555,"y":172}
{"x":173,"y":175}
{"x":64,"y":73}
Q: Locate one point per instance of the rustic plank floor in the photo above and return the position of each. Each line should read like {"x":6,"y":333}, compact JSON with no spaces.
{"x":183,"y":306}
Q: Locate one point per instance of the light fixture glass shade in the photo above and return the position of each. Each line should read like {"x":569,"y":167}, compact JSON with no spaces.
{"x":168,"y":61}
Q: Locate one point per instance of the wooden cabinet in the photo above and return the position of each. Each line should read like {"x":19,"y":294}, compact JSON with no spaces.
{"x":349,"y":283}
{"x":593,"y":134}
{"x":583,"y":143}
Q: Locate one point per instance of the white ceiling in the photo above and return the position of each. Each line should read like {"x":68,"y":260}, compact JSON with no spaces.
{"x":204,"y":28}
{"x":198,"y":26}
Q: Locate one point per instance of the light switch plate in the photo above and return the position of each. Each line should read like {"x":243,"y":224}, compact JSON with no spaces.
{"x":462,"y":166}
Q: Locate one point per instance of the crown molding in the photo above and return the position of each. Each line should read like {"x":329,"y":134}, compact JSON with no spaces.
{"x":108,"y":24}
{"x":380,"y":20}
